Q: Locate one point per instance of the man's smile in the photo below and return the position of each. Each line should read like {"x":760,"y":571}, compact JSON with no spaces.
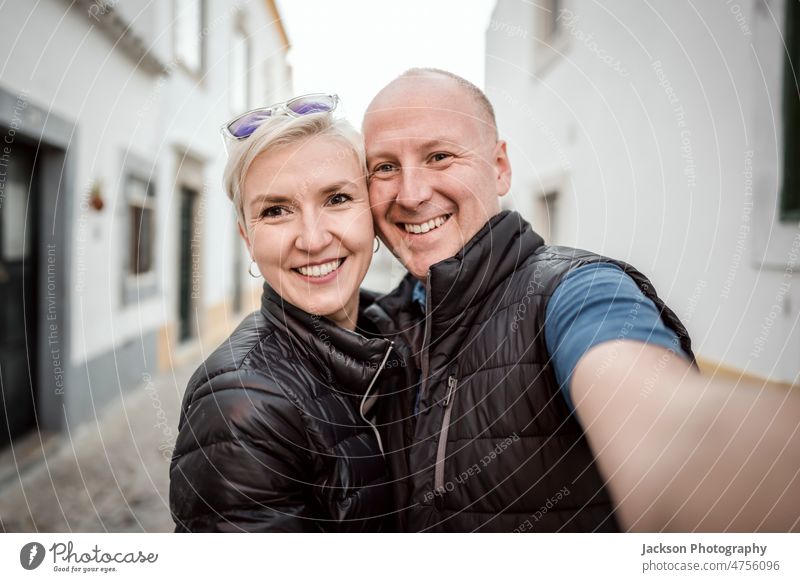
{"x":427,"y":226}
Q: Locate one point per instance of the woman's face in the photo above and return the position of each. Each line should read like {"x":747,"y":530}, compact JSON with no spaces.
{"x":309,"y":226}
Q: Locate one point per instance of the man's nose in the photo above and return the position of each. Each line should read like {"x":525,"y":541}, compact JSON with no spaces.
{"x":415,"y":187}
{"x":315,"y":233}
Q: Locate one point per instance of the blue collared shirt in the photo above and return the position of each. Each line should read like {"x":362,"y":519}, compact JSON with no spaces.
{"x":591,"y":305}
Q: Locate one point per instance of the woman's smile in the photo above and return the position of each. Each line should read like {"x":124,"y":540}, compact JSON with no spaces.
{"x":309,"y":225}
{"x":322,"y":272}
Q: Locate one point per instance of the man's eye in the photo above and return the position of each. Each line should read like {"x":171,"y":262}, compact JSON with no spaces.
{"x":383,"y":168}
{"x":339,"y":198}
{"x":440,"y":156}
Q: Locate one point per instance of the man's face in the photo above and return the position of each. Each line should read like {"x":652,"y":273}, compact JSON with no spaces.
{"x":436,"y":169}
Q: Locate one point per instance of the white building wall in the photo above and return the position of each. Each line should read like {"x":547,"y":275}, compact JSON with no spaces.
{"x":70,"y":73}
{"x":659,"y":125}
{"x":79,"y":73}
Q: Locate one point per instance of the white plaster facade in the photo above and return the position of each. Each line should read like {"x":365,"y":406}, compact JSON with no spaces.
{"x":658,"y":128}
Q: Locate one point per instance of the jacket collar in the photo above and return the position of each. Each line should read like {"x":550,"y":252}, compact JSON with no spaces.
{"x":465,"y":280}
{"x":490,"y":257}
{"x":351,"y":356}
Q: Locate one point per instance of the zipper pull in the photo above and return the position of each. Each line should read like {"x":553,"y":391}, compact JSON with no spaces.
{"x":451,"y":387}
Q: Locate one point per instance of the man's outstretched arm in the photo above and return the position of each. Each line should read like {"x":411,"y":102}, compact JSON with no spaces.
{"x":683,"y":452}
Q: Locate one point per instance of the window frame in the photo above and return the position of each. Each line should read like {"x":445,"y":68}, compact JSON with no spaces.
{"x":138,"y":286}
{"x":198,"y":71}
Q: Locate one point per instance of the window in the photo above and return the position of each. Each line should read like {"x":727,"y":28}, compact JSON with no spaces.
{"x":549,"y":12}
{"x":139,"y":194}
{"x":546,"y":217}
{"x":189,"y":34}
{"x":550,"y":20}
{"x":240,"y":72}
{"x":790,"y":190}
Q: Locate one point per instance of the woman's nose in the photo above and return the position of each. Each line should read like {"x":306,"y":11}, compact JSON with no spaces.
{"x":315,"y":234}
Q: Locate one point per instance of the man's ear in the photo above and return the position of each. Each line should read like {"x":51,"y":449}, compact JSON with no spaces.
{"x":503,"y":168}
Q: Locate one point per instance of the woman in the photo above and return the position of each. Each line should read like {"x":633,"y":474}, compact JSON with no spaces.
{"x":274,"y":432}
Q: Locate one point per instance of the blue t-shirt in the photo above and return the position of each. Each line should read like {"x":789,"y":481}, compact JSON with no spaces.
{"x":592,"y":304}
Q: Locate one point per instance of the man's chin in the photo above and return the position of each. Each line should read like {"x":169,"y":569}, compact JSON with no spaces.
{"x":419,"y":268}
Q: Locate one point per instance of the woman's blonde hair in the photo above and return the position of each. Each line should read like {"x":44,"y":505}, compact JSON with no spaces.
{"x":279,"y":132}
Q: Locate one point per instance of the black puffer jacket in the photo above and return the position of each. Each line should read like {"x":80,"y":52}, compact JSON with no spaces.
{"x":494,"y":446}
{"x":271,"y":435}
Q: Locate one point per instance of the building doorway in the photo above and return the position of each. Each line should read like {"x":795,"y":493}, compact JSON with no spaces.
{"x":188,"y":264}
{"x":19,"y":299}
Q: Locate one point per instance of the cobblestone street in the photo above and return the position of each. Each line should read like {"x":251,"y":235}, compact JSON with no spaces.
{"x":109,"y":476}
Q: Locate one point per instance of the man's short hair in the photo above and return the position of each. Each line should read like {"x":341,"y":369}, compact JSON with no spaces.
{"x":480,"y":98}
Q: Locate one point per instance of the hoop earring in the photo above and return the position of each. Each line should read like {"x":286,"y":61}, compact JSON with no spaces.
{"x":377,"y":246}
{"x":250,"y":271}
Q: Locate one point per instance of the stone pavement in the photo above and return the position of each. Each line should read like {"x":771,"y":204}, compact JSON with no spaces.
{"x":110,"y":475}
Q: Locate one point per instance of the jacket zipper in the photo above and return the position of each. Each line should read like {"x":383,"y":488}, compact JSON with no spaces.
{"x":447,"y":403}
{"x":425,"y":339}
{"x":366,"y":394}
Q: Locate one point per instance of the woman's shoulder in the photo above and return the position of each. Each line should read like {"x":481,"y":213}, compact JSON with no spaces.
{"x":255,"y":358}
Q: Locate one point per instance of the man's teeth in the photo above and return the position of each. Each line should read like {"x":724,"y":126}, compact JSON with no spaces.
{"x":320,"y":270}
{"x":426,"y":226}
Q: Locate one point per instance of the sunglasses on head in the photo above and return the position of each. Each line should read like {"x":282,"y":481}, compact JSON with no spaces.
{"x":243,"y":126}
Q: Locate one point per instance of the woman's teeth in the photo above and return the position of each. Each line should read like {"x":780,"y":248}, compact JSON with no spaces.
{"x":320,"y":270}
{"x":426,"y":226}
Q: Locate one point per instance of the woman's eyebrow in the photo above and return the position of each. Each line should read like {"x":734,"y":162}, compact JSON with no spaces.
{"x":335,"y":187}
{"x":266,"y":198}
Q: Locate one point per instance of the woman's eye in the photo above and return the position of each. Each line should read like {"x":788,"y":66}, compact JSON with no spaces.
{"x":273,"y":212}
{"x":339,"y":198}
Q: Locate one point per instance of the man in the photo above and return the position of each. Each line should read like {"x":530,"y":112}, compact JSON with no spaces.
{"x":556,"y":391}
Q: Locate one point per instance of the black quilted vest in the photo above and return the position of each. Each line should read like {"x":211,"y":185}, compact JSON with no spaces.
{"x":494,"y":446}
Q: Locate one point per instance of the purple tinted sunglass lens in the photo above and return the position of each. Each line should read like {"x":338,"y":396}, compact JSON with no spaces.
{"x":246,"y":125}
{"x":311,"y":105}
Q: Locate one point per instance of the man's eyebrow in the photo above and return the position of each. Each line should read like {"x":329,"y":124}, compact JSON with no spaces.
{"x":427,"y":144}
